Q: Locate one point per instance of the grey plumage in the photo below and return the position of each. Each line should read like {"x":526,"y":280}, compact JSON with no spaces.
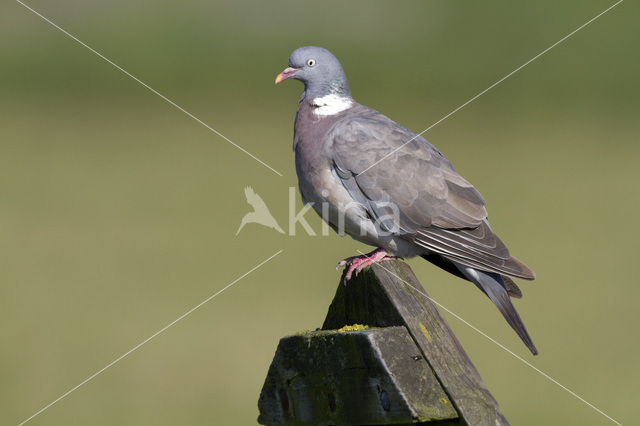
{"x":493,"y":286}
{"x":412,"y":203}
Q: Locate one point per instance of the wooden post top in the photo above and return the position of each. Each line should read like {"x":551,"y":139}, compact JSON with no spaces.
{"x":403,"y":365}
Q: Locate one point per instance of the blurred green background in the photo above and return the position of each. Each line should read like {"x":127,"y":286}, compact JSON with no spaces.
{"x":118,"y":212}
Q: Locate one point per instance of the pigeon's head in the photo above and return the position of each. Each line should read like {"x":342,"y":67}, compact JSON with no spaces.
{"x":318,"y":69}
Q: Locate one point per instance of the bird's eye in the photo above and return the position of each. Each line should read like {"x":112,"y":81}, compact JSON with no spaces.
{"x":311,"y":62}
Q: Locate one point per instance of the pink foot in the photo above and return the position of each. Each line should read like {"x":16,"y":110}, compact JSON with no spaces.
{"x":358,"y":263}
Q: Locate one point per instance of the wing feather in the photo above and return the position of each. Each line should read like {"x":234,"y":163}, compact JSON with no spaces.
{"x":438,"y":209}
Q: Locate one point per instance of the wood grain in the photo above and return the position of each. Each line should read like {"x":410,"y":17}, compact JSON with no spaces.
{"x":406,"y":368}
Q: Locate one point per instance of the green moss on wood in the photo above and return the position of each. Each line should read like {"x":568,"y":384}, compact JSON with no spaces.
{"x":354,"y":327}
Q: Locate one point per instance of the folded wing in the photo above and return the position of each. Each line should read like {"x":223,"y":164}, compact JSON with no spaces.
{"x":416,"y":192}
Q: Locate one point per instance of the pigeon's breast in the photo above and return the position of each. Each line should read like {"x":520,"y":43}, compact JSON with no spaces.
{"x":313,"y":160}
{"x":317,"y":182}
{"x":320,"y":185}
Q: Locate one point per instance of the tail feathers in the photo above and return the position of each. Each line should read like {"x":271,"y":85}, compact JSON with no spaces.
{"x":494,"y":287}
{"x":512,"y":287}
{"x":446,"y":264}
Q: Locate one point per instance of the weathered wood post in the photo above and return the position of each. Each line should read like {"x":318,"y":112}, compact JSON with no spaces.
{"x":384,"y":355}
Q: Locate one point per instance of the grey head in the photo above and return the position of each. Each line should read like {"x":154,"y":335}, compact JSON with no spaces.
{"x":319,"y":70}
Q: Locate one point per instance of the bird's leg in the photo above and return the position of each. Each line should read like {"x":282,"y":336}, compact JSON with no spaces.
{"x":358,"y":263}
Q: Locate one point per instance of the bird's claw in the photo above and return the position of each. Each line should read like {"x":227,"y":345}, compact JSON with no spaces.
{"x":345,"y":262}
{"x":355,"y":264}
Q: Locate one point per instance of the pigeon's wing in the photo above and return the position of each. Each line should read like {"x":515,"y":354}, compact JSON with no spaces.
{"x":415,"y":192}
{"x":478,"y":247}
{"x":414,"y":175}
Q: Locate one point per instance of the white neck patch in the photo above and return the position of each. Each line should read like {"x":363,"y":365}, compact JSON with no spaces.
{"x":331,"y":104}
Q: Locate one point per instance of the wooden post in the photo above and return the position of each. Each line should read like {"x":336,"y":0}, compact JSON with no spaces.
{"x":401,"y":363}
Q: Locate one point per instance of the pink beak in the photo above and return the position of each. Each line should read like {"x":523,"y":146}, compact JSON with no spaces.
{"x":287,"y":73}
